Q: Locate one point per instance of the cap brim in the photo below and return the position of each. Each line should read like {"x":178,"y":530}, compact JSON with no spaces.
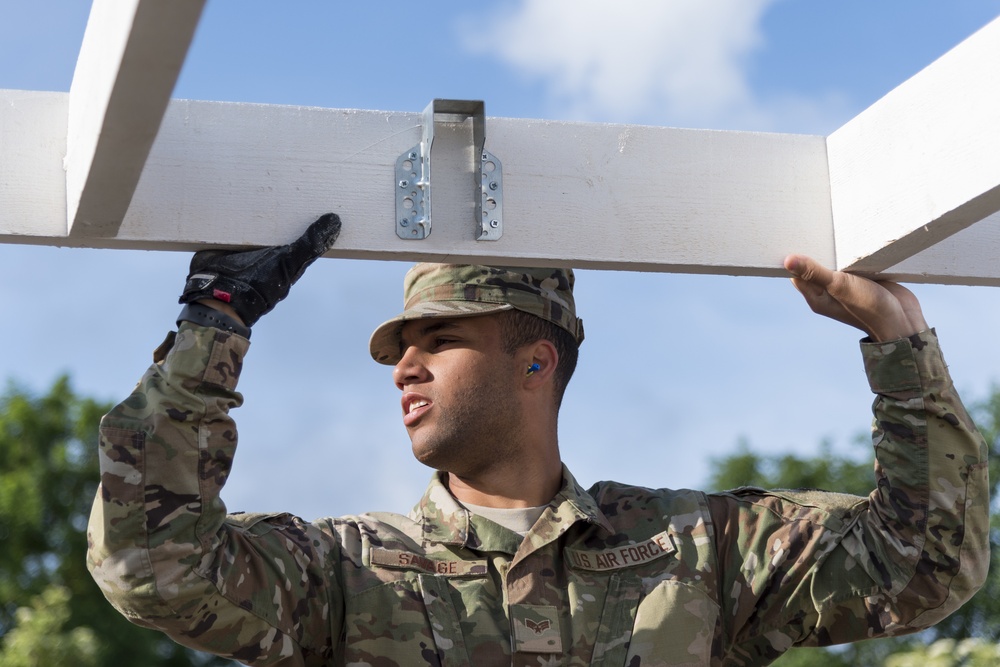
{"x":385,"y":345}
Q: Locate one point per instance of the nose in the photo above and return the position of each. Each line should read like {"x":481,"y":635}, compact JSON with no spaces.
{"x":410,"y":368}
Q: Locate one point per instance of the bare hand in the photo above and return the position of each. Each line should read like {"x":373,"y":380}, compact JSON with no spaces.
{"x":884,"y":310}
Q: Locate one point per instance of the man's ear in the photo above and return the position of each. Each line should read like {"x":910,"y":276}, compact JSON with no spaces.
{"x":540,"y":360}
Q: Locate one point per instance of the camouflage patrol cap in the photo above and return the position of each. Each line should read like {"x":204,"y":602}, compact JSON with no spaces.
{"x":464,"y":290}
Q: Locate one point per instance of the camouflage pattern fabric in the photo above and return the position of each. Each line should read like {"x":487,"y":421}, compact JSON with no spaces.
{"x":614,"y":575}
{"x":463,"y":290}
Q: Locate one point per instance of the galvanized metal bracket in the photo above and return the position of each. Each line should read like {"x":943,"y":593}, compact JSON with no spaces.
{"x":413,"y":176}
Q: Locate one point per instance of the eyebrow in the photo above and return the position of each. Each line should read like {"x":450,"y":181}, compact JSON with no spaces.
{"x":429,"y":329}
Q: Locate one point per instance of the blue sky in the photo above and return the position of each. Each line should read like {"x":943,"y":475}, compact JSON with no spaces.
{"x":675,"y":370}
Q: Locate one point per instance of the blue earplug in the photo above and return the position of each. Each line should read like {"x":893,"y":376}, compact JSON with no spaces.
{"x":532,"y":368}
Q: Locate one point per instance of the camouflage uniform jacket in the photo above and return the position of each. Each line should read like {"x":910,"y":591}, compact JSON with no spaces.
{"x":614,"y":575}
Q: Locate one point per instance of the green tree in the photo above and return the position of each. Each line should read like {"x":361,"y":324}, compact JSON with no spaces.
{"x":978,"y":619}
{"x":39,"y":637}
{"x":48,"y":477}
{"x":949,"y":653}
{"x":825,"y":470}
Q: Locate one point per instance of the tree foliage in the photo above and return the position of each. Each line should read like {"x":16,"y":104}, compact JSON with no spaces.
{"x":949,"y":653}
{"x":825,"y":470}
{"x":39,"y":637}
{"x":48,"y":477}
{"x":978,"y":620}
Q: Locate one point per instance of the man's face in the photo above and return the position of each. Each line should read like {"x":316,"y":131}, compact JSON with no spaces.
{"x":459,"y":401}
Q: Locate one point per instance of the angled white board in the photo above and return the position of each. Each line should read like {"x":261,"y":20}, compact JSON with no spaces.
{"x":923,"y":162}
{"x":129,"y":62}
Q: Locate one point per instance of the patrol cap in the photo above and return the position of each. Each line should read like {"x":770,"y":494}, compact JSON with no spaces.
{"x":464,"y":290}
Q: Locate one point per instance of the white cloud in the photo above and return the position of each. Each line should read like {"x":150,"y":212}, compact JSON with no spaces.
{"x":671,"y":62}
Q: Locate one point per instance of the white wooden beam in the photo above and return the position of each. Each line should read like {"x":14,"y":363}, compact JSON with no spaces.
{"x":968,"y":257}
{"x":131,"y":57}
{"x":587,"y":195}
{"x":923,"y":162}
{"x":32,"y":180}
{"x":916,"y":169}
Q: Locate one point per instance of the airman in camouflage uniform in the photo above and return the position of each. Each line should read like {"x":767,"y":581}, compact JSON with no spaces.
{"x":610,"y":575}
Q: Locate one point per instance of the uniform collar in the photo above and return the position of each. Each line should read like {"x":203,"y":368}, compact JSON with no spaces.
{"x":445,"y":521}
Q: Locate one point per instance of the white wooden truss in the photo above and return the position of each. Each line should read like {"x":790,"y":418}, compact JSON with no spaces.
{"x":909,"y":189}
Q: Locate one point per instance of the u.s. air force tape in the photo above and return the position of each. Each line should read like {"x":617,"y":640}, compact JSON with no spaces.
{"x":628,"y":555}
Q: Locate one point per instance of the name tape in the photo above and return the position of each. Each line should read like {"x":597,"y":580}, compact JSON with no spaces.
{"x":407,"y":560}
{"x":628,"y":555}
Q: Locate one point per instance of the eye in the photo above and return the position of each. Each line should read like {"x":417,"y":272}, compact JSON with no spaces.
{"x":442,"y":341}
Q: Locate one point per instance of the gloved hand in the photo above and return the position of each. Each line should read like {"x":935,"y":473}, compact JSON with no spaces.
{"x":254,"y":281}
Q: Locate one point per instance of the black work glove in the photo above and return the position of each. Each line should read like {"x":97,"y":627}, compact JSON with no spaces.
{"x":254,"y":281}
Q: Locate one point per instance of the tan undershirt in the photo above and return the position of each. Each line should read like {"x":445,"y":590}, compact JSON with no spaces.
{"x":518,"y":519}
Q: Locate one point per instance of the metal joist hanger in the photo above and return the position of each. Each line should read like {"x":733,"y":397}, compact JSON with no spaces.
{"x":413,"y":176}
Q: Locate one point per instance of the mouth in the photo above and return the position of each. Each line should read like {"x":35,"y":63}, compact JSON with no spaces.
{"x":414,"y":407}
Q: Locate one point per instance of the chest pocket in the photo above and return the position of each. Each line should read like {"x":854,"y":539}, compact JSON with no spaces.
{"x":411,"y":618}
{"x":674,"y":625}
{"x":657,"y":612}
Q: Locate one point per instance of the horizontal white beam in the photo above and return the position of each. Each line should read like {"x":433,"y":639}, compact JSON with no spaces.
{"x":897,"y":191}
{"x":600,"y":196}
{"x":923,"y":162}
{"x":969,"y":257}
{"x":131,"y":57}
{"x":32,"y":180}
{"x":587,"y":195}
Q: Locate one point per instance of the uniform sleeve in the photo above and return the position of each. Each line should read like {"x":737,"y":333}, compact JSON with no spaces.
{"x":161,"y":546}
{"x":816,"y":568}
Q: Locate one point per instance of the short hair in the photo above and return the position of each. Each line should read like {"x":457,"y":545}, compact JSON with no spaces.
{"x":518,"y":328}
